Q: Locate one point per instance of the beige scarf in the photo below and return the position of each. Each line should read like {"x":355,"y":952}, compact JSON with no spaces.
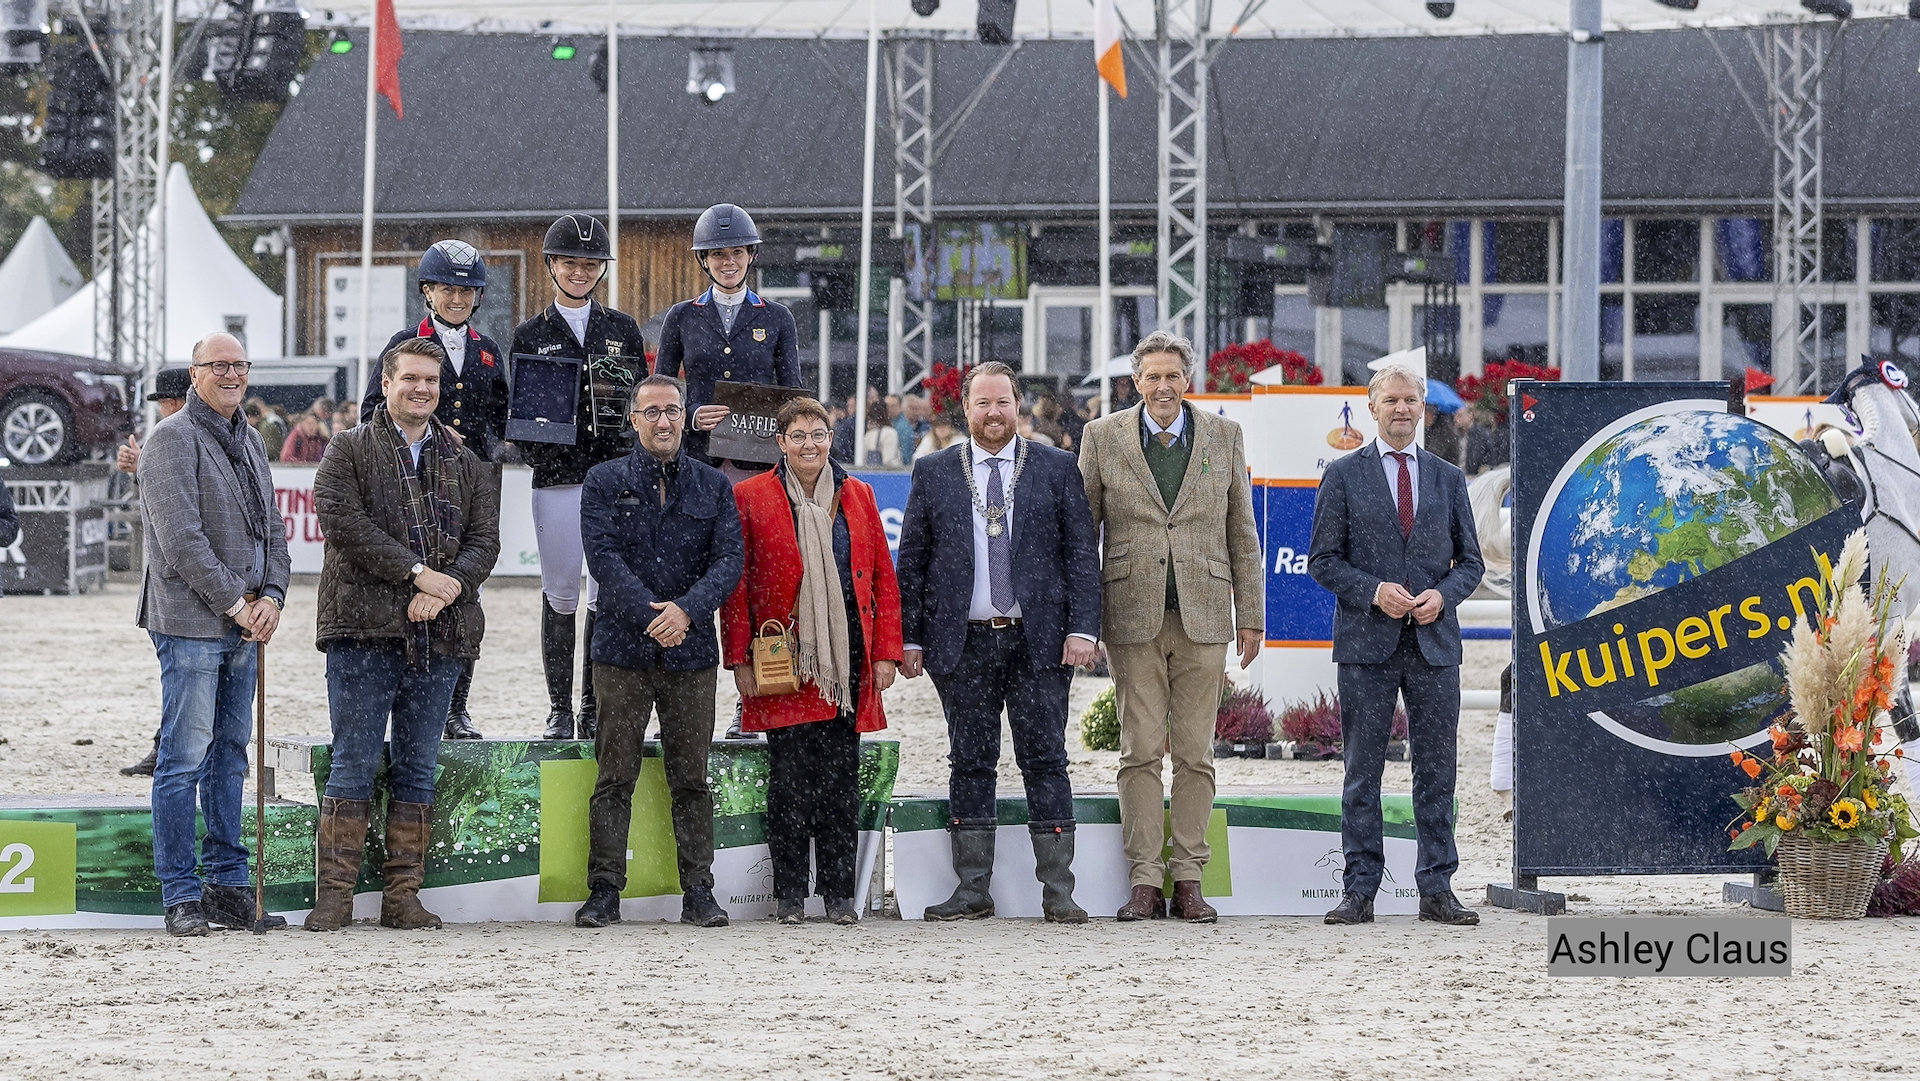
{"x":820,"y":613}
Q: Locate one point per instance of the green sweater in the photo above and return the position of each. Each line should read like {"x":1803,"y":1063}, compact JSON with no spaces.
{"x":1169,"y":467}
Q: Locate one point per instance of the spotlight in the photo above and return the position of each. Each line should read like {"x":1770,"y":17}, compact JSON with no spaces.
{"x":1440,"y":10}
{"x":925,"y":8}
{"x":338,"y":43}
{"x":597,"y":68}
{"x":710,"y":74}
{"x":994,"y":22}
{"x":1839,"y":9}
{"x":1679,"y":5}
{"x":563,"y":50}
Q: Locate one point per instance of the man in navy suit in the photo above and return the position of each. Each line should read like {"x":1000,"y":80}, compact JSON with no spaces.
{"x":999,"y":601}
{"x":1393,"y":540}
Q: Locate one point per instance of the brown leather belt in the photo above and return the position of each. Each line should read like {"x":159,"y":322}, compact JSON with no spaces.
{"x":998,"y":623}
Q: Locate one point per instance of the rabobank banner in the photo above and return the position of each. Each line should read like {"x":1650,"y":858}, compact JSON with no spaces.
{"x":1663,"y":549}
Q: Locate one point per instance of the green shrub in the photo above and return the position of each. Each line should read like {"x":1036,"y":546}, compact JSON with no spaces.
{"x":1100,"y":724}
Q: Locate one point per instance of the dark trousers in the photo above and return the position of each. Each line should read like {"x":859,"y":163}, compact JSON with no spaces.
{"x":685,"y":704}
{"x":994,"y":675}
{"x":1367,"y":693}
{"x":369,"y":684}
{"x":813,"y":796}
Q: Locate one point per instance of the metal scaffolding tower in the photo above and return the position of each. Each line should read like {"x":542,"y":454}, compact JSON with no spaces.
{"x":1794,"y":57}
{"x":125,"y":36}
{"x":910,"y":64}
{"x":1181,"y":32}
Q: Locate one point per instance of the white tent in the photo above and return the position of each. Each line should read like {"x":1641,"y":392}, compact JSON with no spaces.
{"x":208,"y":289}
{"x":37,"y":275}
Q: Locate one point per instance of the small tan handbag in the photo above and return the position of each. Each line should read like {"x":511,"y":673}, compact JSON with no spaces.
{"x":773,"y":660}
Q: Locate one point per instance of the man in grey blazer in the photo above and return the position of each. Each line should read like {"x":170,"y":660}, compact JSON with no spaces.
{"x":210,"y":596}
{"x":1180,"y":578}
{"x":1393,"y":541}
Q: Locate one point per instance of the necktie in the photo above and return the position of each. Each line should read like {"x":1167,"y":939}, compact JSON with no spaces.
{"x":1405,"y":499}
{"x":1165,"y":438}
{"x":999,"y":545}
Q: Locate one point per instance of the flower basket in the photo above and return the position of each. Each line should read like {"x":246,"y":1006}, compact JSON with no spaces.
{"x":1828,"y":880}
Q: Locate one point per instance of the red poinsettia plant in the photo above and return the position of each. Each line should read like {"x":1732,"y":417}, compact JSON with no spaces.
{"x":942,"y":384}
{"x":1489,"y":389}
{"x":1231,"y":370}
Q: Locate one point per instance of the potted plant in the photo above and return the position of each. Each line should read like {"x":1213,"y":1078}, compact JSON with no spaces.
{"x":1311,"y":730}
{"x":1100,"y":723}
{"x":1231,"y":370}
{"x":1823,"y":806}
{"x":1242,"y":725}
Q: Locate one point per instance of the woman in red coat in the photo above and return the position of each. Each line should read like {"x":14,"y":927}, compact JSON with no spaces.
{"x":817,"y":562}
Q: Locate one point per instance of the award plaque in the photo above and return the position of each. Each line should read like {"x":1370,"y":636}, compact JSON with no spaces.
{"x":543,"y":403}
{"x":610,"y":381}
{"x":747,"y":433}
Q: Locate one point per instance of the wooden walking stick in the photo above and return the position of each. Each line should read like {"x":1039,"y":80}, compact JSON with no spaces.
{"x":260,"y":789}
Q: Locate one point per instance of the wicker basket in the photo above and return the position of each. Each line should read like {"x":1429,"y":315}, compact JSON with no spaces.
{"x":1828,"y":880}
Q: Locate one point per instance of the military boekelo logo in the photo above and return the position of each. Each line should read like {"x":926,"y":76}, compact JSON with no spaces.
{"x":759,"y":334}
{"x":613,"y":349}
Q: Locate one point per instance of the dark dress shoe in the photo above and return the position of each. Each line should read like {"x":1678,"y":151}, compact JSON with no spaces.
{"x":589,"y":723}
{"x":186,"y":920}
{"x":700,"y":909}
{"x":1188,"y":905}
{"x":601,"y":909}
{"x":1146,"y":903}
{"x":559,"y":725}
{"x":460,"y":726}
{"x":791,"y":913}
{"x":840,"y":910}
{"x":232,"y":907}
{"x":1353,"y":908}
{"x":1444,"y":907}
{"x":144,"y":767}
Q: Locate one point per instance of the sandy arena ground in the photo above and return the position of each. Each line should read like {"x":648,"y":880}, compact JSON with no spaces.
{"x":1255,"y":998}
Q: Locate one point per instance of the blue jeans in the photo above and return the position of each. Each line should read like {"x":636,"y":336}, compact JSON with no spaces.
{"x":368,"y":681}
{"x":206,"y":690}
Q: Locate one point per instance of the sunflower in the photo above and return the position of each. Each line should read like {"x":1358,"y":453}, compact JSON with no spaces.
{"x":1760,"y":811}
{"x":1872,"y":801}
{"x":1782,"y":822}
{"x":1845,"y":813}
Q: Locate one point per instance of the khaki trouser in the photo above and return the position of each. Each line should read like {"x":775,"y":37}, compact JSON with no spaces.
{"x":1170,"y":685}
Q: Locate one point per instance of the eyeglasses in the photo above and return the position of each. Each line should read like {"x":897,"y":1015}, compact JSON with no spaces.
{"x":818,"y":435}
{"x":227,"y":367}
{"x":653,"y":413}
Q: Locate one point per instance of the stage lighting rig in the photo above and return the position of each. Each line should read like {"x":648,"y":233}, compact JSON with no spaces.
{"x":710,"y":74}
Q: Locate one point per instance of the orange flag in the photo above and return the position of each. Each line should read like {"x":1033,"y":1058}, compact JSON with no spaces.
{"x":386,"y":55}
{"x":1106,"y":46}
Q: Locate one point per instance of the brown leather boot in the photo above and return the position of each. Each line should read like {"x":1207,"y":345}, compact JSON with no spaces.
{"x":342,"y":837}
{"x":406,"y":866}
{"x":1188,"y":905}
{"x":1146,"y":903}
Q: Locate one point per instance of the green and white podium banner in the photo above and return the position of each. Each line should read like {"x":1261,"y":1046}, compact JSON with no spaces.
{"x":1274,"y":853}
{"x":508,"y":839}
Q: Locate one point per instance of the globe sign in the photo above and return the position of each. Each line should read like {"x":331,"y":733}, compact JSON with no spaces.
{"x":1658,"y":501}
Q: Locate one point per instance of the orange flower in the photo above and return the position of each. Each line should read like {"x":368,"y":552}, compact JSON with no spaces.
{"x":1847,"y":738}
{"x":1752,"y":766}
{"x":1736,"y":757}
{"x":1780,"y":738}
{"x":1785,"y":791}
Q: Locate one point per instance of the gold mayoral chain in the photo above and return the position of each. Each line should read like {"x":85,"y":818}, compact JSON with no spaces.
{"x":994,"y":514}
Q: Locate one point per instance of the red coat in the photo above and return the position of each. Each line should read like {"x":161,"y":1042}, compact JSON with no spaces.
{"x":771,"y":582}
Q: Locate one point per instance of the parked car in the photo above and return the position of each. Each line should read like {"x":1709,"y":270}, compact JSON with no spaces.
{"x":56,"y":408}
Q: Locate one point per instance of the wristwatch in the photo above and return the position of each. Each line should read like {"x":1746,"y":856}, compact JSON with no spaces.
{"x":277,"y":602}
{"x":414,"y":571}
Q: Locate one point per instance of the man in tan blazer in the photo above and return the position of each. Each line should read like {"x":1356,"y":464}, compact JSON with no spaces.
{"x":1180,"y":578}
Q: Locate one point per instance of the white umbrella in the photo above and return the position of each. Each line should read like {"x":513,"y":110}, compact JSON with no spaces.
{"x":1120,"y":367}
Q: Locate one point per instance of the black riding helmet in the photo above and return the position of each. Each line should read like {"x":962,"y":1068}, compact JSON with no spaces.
{"x":577,"y":236}
{"x":724,"y":225}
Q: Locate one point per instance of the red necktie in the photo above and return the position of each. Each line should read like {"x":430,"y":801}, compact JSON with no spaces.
{"x":1405,"y":498}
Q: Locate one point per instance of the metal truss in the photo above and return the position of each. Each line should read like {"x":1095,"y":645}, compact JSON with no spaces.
{"x":1181,"y":33}
{"x":910,"y":61}
{"x":127,"y":304}
{"x":1794,"y":56}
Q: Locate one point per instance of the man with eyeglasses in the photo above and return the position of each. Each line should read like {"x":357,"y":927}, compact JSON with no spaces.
{"x":662,"y":537}
{"x":210,"y":596}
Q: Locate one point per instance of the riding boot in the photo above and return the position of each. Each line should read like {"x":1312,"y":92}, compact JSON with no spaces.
{"x":459,"y":721}
{"x":343,"y":836}
{"x":973,"y":862}
{"x":589,"y":711}
{"x":556,"y":656}
{"x":1053,"y":866}
{"x":406,"y":867}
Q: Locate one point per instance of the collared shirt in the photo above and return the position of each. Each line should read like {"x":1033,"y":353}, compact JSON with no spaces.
{"x":576,"y":318}
{"x":414,"y":447}
{"x":729,"y":305}
{"x":1151,"y":428}
{"x":981,"y":607}
{"x":453,"y":340}
{"x":1392,"y":467}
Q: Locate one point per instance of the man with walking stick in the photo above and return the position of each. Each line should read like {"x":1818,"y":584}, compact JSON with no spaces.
{"x":211,"y":593}
{"x":412,"y":521}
